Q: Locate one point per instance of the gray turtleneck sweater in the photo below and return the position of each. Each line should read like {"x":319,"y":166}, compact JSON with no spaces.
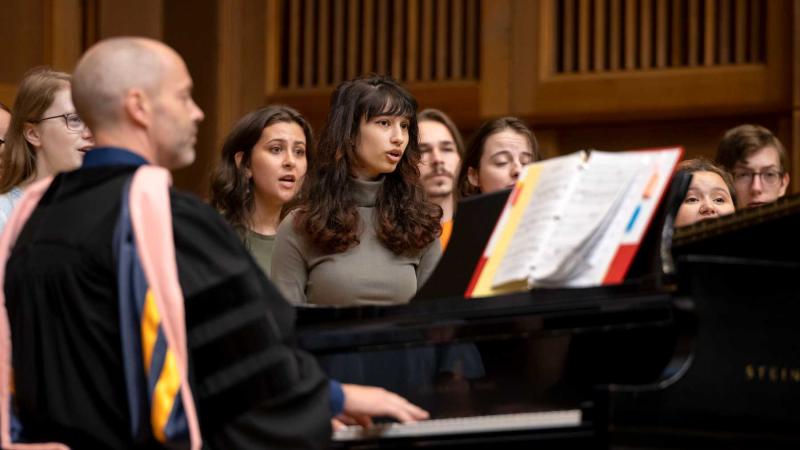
{"x":367,"y":274}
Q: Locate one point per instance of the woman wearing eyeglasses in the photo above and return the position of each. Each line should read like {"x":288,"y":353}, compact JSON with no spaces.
{"x":45,"y":136}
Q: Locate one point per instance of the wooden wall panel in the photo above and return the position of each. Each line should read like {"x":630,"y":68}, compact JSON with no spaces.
{"x":23,"y":28}
{"x":549,"y":86}
{"x":35,"y":33}
{"x":192,"y":28}
{"x":429,"y":45}
{"x":496,"y":49}
{"x":131,"y":18}
{"x":699,"y":138}
{"x":645,"y":66}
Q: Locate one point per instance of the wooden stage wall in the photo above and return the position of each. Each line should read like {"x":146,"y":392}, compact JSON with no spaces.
{"x":605,"y":74}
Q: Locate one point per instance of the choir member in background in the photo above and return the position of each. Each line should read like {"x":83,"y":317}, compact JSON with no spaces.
{"x":363,"y":232}
{"x":496,"y":155}
{"x":442,"y":150}
{"x":711,"y":193}
{"x":46,"y":136}
{"x":5,"y":120}
{"x":757,"y":160}
{"x":264,"y":160}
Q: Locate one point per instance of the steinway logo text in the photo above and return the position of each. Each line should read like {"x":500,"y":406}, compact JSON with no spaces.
{"x":772,"y":374}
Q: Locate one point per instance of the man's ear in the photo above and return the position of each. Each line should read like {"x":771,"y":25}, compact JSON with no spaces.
{"x":31,"y":134}
{"x":138,"y":107}
{"x":472,"y":177}
{"x":784,"y":184}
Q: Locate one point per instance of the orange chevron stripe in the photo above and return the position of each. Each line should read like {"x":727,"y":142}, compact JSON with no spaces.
{"x":151,"y":320}
{"x":164,"y":396}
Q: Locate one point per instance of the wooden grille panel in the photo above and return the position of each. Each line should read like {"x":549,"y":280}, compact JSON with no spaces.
{"x":324,"y":42}
{"x":632,"y":35}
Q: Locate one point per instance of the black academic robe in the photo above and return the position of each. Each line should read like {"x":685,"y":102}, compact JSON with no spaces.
{"x":252,"y":387}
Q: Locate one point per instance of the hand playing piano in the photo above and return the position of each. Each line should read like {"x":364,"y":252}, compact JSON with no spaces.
{"x":361,"y":403}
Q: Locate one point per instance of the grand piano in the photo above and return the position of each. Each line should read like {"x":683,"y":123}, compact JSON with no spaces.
{"x":698,"y":348}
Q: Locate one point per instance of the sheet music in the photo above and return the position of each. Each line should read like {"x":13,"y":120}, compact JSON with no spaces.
{"x":567,"y":229}
{"x":553,"y":189}
{"x":597,"y":258}
{"x":575,"y":230}
{"x":604,"y":185}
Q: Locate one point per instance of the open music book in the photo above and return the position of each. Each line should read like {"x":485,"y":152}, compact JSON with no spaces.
{"x":574,"y":221}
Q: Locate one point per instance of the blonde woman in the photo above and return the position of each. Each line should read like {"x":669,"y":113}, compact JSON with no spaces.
{"x":46,"y":136}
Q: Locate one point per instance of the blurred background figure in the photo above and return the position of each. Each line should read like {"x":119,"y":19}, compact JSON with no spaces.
{"x":5,"y":121}
{"x":757,"y":160}
{"x":711,"y":193}
{"x":441,"y":149}
{"x":46,"y":136}
{"x":496,"y":155}
{"x":263,"y":164}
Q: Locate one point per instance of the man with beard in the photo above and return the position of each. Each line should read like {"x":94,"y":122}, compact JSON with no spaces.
{"x":442,"y":150}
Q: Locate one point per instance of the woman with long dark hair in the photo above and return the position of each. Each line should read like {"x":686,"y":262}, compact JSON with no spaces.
{"x":363,"y":232}
{"x":262,"y":166}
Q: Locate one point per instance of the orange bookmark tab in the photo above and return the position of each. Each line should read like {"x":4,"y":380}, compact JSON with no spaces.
{"x":651,"y":185}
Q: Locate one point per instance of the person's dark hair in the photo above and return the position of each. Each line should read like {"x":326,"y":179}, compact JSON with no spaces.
{"x":231,"y":190}
{"x":704,"y":165}
{"x":436,"y":115}
{"x":405,"y":222}
{"x":4,"y":107}
{"x":472,"y":158}
{"x":741,"y":142}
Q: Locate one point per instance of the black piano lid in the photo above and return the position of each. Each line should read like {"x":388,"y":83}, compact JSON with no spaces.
{"x":700,"y":364}
{"x":763,"y":233}
{"x":642,"y":298}
{"x":452,"y":320}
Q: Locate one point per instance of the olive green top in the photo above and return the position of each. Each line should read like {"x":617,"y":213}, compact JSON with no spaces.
{"x":368,"y":273}
{"x":261,"y":247}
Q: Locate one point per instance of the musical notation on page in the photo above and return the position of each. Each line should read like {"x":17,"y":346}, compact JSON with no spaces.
{"x":574,"y":221}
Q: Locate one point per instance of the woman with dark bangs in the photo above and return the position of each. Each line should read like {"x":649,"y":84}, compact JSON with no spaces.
{"x":363,"y":232}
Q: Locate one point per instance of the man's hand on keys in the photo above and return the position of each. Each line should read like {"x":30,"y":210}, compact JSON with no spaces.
{"x":361,"y":403}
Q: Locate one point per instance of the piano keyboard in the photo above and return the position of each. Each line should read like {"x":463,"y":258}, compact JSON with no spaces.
{"x":463,"y":425}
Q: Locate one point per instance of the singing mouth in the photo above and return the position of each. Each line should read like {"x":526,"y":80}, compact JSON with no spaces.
{"x":85,"y":149}
{"x":395,"y":154}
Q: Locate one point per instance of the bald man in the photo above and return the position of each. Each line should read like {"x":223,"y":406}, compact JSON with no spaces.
{"x":251,"y":387}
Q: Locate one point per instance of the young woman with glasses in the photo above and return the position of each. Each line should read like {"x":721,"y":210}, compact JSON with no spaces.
{"x":45,"y":136}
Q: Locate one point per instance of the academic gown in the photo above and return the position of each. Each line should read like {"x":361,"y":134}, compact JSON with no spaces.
{"x":253,"y":388}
